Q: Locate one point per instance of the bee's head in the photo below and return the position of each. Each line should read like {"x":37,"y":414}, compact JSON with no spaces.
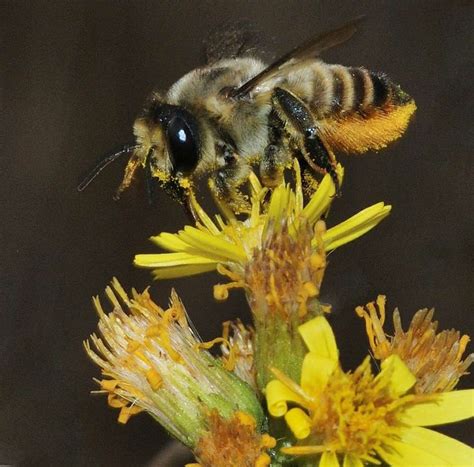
{"x":168,"y":147}
{"x":169,"y":140}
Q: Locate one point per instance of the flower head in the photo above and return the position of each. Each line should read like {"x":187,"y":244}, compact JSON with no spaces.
{"x":151,"y":361}
{"x":361,"y":416}
{"x":277,"y":254}
{"x":228,"y":243}
{"x":436,"y":359}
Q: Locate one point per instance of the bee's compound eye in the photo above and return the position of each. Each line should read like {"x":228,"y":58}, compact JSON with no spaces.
{"x":183,"y":146}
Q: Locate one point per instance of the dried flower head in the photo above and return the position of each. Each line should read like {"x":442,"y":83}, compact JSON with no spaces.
{"x":436,"y":359}
{"x":361,"y":416}
{"x":151,"y":361}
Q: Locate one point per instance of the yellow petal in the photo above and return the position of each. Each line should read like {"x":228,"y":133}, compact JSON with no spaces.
{"x":448,"y":407}
{"x":212,"y":245}
{"x":315,"y":373}
{"x":182,"y":271}
{"x":355,"y":226}
{"x":278,"y":395}
{"x":401,"y":379}
{"x":298,"y":422}
{"x":322,"y":198}
{"x":303,"y":450}
{"x":329,"y":459}
{"x":162,"y":260}
{"x":278,"y":206}
{"x":170,"y":242}
{"x":352,"y":461}
{"x":420,"y":446}
{"x":319,"y":338}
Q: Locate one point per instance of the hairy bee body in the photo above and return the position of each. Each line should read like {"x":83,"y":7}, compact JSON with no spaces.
{"x":333,"y":93}
{"x":244,"y":123}
{"x":219,"y":120}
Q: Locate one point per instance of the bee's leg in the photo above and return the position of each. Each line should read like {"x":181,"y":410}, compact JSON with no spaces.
{"x":225,"y":181}
{"x":314,"y":151}
{"x":275,"y":156}
{"x":174,"y":189}
{"x":150,"y":181}
{"x":189,"y":209}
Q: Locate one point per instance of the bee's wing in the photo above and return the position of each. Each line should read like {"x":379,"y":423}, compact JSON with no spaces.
{"x":231,"y":40}
{"x":297,"y":57}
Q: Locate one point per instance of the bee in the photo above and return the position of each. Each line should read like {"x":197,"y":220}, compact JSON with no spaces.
{"x":220,"y":120}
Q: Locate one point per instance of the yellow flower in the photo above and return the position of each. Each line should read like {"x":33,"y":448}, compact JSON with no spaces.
{"x":229,"y":243}
{"x":360,"y":417}
{"x":277,"y":254}
{"x":151,"y":361}
{"x":434,"y":358}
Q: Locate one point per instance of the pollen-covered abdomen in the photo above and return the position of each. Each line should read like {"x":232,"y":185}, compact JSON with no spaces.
{"x":357,"y":109}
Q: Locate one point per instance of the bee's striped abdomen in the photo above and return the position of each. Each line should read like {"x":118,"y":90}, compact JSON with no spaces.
{"x":339,"y":89}
{"x":343,"y":92}
{"x":357,"y":109}
{"x":361,"y":83}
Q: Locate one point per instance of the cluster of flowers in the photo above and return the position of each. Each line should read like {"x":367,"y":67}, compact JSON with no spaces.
{"x":277,"y":393}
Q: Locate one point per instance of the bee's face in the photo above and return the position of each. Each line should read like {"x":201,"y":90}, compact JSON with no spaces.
{"x":169,"y":141}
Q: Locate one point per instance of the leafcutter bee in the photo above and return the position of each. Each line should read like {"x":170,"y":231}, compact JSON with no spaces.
{"x":219,"y":120}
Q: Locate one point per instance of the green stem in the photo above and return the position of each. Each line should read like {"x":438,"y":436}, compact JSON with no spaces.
{"x":278,"y":343}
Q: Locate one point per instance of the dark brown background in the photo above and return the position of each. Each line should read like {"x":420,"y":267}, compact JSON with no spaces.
{"x":75,"y":75}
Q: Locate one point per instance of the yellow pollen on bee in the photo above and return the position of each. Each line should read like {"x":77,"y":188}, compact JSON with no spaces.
{"x":185,"y":183}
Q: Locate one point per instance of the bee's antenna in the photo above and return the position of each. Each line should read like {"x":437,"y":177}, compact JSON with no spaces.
{"x":127,"y":148}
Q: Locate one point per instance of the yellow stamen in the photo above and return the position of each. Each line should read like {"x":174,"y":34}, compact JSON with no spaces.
{"x":246,"y":419}
{"x":127,"y":412}
{"x":303,"y":450}
{"x":267,"y":441}
{"x":229,"y":362}
{"x":418,"y":345}
{"x":154,"y":378}
{"x":263,"y":460}
{"x":299,"y":423}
